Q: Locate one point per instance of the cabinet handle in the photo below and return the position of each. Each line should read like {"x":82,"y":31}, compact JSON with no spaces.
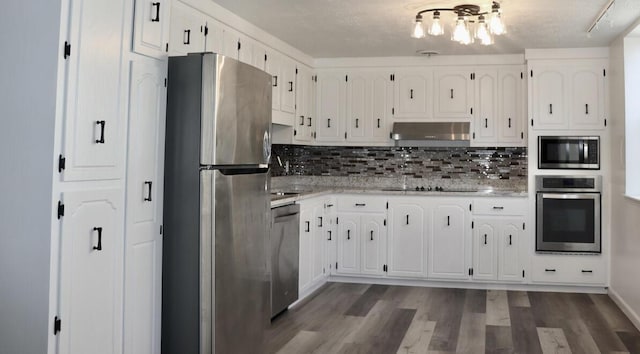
{"x":328,"y":122}
{"x":275,"y":81}
{"x":411,"y":94}
{"x":372,"y":238}
{"x":157,"y":6}
{"x":407,"y":219}
{"x":357,"y":123}
{"x":101,"y":123}
{"x":549,"y":270}
{"x":301,"y":120}
{"x":348,"y":234}
{"x":378,"y":122}
{"x":498,"y":207}
{"x":509,"y":122}
{"x":186,"y":38}
{"x":451,"y":93}
{"x":309,"y":118}
{"x":329,"y":205}
{"x":486,"y":123}
{"x":587,"y":271}
{"x":308,"y":226}
{"x":485,"y":239}
{"x":448,"y":220}
{"x":290,"y":86}
{"x":320,"y":217}
{"x":99,"y":246}
{"x":586,"y":108}
{"x":510,"y":240}
{"x":148,"y":198}
{"x":329,"y":235}
{"x":360,"y":204}
{"x":550,"y":108}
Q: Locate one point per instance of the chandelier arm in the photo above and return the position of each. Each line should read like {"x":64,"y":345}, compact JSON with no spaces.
{"x":464,"y":12}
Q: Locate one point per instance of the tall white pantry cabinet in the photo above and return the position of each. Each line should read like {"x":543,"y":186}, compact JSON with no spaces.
{"x":84,"y":119}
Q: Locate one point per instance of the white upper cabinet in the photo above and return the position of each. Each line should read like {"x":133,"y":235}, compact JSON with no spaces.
{"x":413,"y":97}
{"x":381,"y":106}
{"x":91,"y":272}
{"x":230,"y":43}
{"x":331,"y":106}
{"x":245,"y":49}
{"x":406,"y":250}
{"x":453,"y":93}
{"x":568,"y":95}
{"x":258,"y":58}
{"x":486,"y":106}
{"x":273,"y":67}
{"x":511,"y":117}
{"x":151,"y":27}
{"x":287,"y":89}
{"x":450,"y":239}
{"x":213,"y":31}
{"x":359,"y":101}
{"x":96,"y":82}
{"x":187,"y":30}
{"x":303,"y":124}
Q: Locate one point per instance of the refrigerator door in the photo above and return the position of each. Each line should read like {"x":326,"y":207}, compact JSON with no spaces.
{"x":234,"y":240}
{"x":236,"y":113}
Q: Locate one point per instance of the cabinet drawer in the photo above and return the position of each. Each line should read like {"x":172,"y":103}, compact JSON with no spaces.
{"x":362,"y":204}
{"x":500,"y":206}
{"x":569,"y":269}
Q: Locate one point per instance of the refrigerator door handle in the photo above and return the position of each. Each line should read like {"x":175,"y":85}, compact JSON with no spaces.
{"x":244,"y":170}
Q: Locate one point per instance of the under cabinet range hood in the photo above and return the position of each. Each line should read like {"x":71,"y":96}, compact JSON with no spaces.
{"x":444,"y":134}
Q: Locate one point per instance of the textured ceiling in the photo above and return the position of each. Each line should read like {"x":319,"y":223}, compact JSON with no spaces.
{"x":372,"y":28}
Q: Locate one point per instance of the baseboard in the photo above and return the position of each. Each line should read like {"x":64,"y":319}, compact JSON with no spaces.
{"x":633,"y":316}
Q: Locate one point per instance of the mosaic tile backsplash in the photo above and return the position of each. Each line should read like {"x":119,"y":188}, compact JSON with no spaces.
{"x":413,"y":162}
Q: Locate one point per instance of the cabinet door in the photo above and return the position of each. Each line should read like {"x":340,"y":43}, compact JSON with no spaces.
{"x":245,"y":49}
{"x":319,"y":248}
{"x":331,"y":107}
{"x":406,"y":245}
{"x":94,"y":125}
{"x":509,"y":253}
{"x":306,"y":243}
{"x":91,"y":272}
{"x":453,"y":93}
{"x":548,"y":96}
{"x":143,"y":242}
{"x":486,"y":110}
{"x":151,"y":28}
{"x":413,"y":94}
{"x":511,"y":117}
{"x":448,"y":251}
{"x":348,"y":239}
{"x":187,"y":30}
{"x":259,"y":54}
{"x":373,"y":243}
{"x":587,"y":99}
{"x":485,"y":257}
{"x":273,"y":67}
{"x":358,"y":108}
{"x":214,"y":31}
{"x":381,"y":105}
{"x":288,"y":98}
{"x":302,"y":124}
{"x":230,"y":43}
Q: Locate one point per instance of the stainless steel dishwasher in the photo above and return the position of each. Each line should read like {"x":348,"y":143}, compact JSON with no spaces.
{"x":285,"y":242}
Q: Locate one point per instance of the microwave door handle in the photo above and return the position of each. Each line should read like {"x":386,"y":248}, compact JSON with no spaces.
{"x":585,"y":150}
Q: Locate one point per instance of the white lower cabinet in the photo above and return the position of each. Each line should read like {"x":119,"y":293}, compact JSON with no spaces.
{"x":313,"y":245}
{"x":406,"y":248}
{"x":485,"y":258}
{"x":348,"y":243}
{"x":373,"y":243}
{"x":511,"y":255}
{"x":569,"y":269}
{"x":497,"y":253}
{"x":450,"y":239}
{"x":91,"y":272}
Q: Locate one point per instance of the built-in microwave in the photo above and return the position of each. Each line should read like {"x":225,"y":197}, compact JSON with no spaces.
{"x":569,"y":152}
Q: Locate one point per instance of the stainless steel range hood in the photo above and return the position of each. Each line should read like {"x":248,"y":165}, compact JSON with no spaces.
{"x":445,"y":134}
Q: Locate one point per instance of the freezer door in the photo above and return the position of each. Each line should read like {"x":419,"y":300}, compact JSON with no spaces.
{"x":235,"y":228}
{"x":236,"y":112}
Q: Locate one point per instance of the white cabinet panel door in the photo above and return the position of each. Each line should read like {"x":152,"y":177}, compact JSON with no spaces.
{"x":485,"y":257}
{"x":348,"y":240}
{"x":373,"y":243}
{"x":453,"y":93}
{"x":319,"y":248}
{"x":94,"y":134}
{"x":230,"y":42}
{"x":548,"y":94}
{"x":331,"y":104}
{"x":273,"y":66}
{"x":486,"y":110}
{"x":587,"y":99}
{"x":413,"y":94}
{"x":448,"y":251}
{"x":143,"y":241}
{"x":511,"y":115}
{"x":358,"y":104}
{"x":381,"y":106}
{"x":288,"y":98}
{"x":151,"y":27}
{"x":187,"y":30}
{"x":91,"y":272}
{"x":305,"y":263}
{"x":214,"y":31}
{"x":406,"y":245}
{"x":509,"y":251}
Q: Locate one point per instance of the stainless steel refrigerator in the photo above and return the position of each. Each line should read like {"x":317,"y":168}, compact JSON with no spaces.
{"x":215,"y":279}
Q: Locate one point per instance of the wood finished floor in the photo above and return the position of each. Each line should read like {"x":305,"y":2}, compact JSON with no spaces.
{"x":361,"y":318}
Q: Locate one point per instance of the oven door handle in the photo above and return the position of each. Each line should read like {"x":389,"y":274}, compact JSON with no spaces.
{"x":570,"y":195}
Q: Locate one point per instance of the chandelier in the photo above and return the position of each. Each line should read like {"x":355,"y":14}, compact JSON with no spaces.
{"x":471,"y":24}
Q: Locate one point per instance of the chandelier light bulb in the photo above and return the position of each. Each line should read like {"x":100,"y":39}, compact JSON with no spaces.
{"x":496,"y":24}
{"x":436,"y":28}
{"x":459,"y":30}
{"x":418,"y":29}
{"x":482,"y":32}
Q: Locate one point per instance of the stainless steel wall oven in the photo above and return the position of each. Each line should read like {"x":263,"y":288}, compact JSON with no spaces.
{"x":568,"y":214}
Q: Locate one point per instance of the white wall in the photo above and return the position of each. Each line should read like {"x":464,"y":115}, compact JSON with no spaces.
{"x":625,"y":213}
{"x":29,"y":38}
